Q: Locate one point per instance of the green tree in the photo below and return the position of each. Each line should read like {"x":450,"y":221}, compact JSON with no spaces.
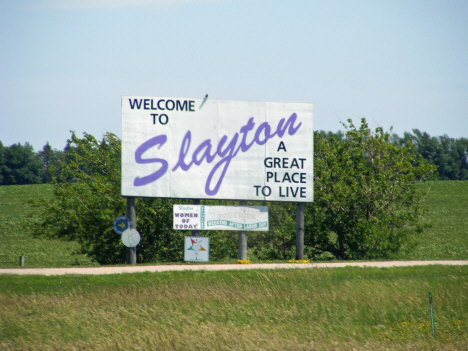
{"x":84,"y":208}
{"x":20,"y":165}
{"x":279,"y":242}
{"x":2,"y":161}
{"x":366,"y":199}
{"x":51,"y":160}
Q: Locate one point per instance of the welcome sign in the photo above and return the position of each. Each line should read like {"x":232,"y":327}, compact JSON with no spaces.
{"x":217,"y":149}
{"x":203,"y":217}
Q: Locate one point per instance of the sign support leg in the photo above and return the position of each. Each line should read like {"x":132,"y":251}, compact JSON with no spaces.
{"x":196,"y":232}
{"x":300,"y":231}
{"x":242,"y":242}
{"x":131,"y":214}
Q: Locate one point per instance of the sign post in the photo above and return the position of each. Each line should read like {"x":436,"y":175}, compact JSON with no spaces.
{"x":196,"y":232}
{"x":242,"y":240}
{"x":300,"y":231}
{"x":131,"y":214}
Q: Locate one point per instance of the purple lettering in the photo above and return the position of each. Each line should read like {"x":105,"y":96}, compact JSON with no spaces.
{"x":203,"y":151}
{"x":244,"y":130}
{"x":157,"y":140}
{"x":183,"y":152}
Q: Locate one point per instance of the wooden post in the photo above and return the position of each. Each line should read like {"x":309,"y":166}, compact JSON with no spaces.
{"x":300,"y":231}
{"x":131,"y":214}
{"x":196,"y":232}
{"x":242,"y":243}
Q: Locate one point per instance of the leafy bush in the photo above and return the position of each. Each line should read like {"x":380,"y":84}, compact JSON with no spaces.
{"x":366,"y":201}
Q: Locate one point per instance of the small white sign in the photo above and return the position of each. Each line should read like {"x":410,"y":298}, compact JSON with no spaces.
{"x":197,"y":249}
{"x":202,"y":217}
{"x":131,"y":237}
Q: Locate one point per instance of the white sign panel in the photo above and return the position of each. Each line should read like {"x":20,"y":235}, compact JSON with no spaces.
{"x":196,"y":249}
{"x":202,"y":217}
{"x":217,"y":149}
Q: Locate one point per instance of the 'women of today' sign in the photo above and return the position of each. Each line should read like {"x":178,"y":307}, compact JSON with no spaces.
{"x":203,"y":217}
{"x":217,"y":149}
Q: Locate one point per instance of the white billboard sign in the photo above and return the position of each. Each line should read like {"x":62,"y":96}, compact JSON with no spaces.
{"x":203,"y":217}
{"x":217,"y":149}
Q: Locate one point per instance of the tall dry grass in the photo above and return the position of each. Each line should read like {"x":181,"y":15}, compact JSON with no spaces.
{"x":313,"y":309}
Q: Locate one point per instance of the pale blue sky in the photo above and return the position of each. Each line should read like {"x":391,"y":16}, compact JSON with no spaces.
{"x":65,"y":64}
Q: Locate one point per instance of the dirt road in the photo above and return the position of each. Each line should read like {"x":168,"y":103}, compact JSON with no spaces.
{"x":218,"y":267}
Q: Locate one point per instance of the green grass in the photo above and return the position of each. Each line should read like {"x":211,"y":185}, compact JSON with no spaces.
{"x":447,"y":238}
{"x":307,"y":309}
{"x":15,"y":213}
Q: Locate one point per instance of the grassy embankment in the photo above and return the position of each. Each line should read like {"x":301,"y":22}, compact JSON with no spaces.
{"x":446,"y":201}
{"x":313,"y":309}
{"x":310,"y":309}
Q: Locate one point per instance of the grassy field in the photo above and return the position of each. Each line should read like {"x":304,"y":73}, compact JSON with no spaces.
{"x":447,"y":238}
{"x":307,"y":309}
{"x":15,"y":241}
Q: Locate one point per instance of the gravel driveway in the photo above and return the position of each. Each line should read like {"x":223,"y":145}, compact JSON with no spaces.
{"x":219,"y":267}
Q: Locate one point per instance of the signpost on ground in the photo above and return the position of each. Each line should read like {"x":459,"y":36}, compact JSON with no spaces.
{"x":131,"y":214}
{"x":200,"y":148}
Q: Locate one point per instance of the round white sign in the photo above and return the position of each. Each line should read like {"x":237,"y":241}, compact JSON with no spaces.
{"x":130,"y":237}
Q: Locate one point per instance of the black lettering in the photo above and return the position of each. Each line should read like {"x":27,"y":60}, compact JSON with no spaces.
{"x":159,"y":106}
{"x":303,"y":190}
{"x":303,"y":177}
{"x":294,"y":193}
{"x":163,"y":119}
{"x":285,"y":162}
{"x":280,"y":194}
{"x":182,"y":107}
{"x":294,"y":163}
{"x":269,"y":175}
{"x":191,"y":106}
{"x":267,"y":162}
{"x":269,"y":191}
{"x":154,"y":117}
{"x":173,"y":105}
{"x":277,"y":162}
{"x":286,"y":177}
{"x":256,"y":188}
{"x":136,"y":103}
{"x":292,"y":177}
{"x":281,"y":146}
{"x":146,"y":102}
{"x":302,"y":162}
{"x":152,"y":107}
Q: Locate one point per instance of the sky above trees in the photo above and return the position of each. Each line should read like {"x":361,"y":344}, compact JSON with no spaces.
{"x":65,"y":64}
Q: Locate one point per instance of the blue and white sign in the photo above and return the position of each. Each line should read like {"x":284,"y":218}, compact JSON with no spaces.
{"x":121,"y":224}
{"x":217,"y":149}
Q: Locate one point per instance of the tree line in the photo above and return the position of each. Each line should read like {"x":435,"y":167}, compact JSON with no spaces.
{"x":20,"y":164}
{"x":366,"y":203}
